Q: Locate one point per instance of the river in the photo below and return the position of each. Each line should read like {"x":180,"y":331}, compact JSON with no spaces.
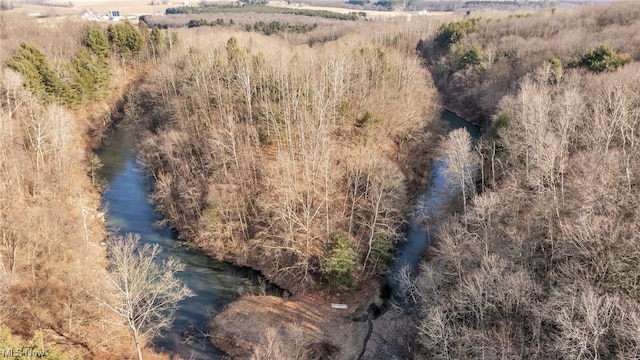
{"x":215,"y":284}
{"x":418,"y":238}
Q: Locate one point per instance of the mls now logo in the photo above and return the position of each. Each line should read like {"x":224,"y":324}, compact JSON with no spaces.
{"x":21,"y":352}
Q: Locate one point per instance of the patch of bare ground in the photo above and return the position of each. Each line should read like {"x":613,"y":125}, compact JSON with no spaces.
{"x":302,"y":327}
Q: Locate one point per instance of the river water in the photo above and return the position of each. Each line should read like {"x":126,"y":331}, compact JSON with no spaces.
{"x":215,"y":284}
{"x":418,"y":238}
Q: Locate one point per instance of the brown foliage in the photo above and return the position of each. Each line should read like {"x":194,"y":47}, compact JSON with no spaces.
{"x":50,"y":222}
{"x":50,"y":226}
{"x":546,"y":264}
{"x":265,"y":153}
{"x":516,"y":46}
{"x":562,"y":213}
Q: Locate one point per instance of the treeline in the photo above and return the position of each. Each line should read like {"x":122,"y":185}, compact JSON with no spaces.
{"x":266,"y":28}
{"x":543,"y":263}
{"x":475,"y":62}
{"x":86,"y":77}
{"x":262,"y":9}
{"x":275,"y":27}
{"x":203,"y":22}
{"x":477,"y":5}
{"x":8,"y":5}
{"x":295,"y":163}
{"x":295,"y":29}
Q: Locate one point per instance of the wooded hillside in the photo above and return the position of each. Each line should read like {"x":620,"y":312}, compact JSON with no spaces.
{"x":544,"y":263}
{"x":305,"y":162}
{"x":476,"y":61}
{"x":297,"y":161}
{"x":300,"y":162}
{"x":55,"y":97}
{"x":50,"y":225}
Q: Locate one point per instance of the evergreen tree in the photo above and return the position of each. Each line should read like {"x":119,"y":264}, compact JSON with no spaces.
{"x":97,"y":42}
{"x":89,"y":77}
{"x":602,"y":58}
{"x":340,"y":263}
{"x":125,"y":39}
{"x":155,"y":41}
{"x":38,"y":75}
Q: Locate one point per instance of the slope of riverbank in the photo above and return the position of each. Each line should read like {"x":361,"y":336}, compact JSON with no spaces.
{"x":214,"y":284}
{"x":302,"y":327}
{"x":57,"y":90}
{"x":313,"y":319}
{"x":541,"y":263}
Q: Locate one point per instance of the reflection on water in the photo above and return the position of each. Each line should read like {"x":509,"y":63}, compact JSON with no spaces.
{"x":214,"y":284}
{"x":417,"y":235}
{"x":453,"y":122}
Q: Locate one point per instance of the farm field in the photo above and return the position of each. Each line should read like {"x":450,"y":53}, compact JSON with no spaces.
{"x":131,"y":8}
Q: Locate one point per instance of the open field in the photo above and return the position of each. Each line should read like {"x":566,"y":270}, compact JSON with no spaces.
{"x":147,"y":7}
{"x":126,"y":8}
{"x":371,"y":14}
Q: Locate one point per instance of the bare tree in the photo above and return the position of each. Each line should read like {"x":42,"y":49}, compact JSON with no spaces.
{"x":385,"y":198}
{"x":437,"y":334}
{"x":144,"y":292}
{"x":288,"y":344}
{"x":461,"y":161}
{"x":586,"y":320}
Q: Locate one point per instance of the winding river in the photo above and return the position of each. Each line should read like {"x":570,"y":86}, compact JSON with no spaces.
{"x":216,"y":284}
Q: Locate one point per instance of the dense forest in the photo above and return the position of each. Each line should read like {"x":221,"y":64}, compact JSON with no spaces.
{"x":297,"y":162}
{"x":50,"y":223}
{"x":543,"y":263}
{"x":477,"y":61}
{"x":301,"y":150}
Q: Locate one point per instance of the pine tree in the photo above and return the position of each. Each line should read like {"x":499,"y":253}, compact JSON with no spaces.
{"x":38,"y":75}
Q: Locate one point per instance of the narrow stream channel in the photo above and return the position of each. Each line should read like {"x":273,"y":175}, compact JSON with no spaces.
{"x":417,"y":236}
{"x":214,"y":283}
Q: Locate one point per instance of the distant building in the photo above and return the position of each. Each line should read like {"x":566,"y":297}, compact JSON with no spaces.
{"x":114,"y":15}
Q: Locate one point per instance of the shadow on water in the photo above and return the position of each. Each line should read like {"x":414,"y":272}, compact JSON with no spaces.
{"x":417,"y":234}
{"x":215,"y":284}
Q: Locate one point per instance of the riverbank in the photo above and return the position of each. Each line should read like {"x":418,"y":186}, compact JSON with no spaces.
{"x":214,"y":284}
{"x":307,"y":327}
{"x":317,"y":323}
{"x":302,"y":327}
